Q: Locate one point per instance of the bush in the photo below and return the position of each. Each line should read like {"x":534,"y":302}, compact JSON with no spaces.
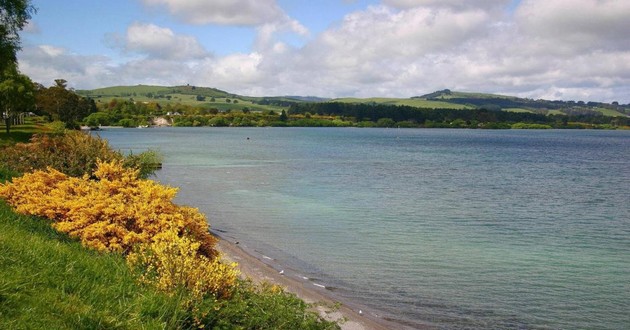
{"x":112,"y":212}
{"x":73,"y":153}
{"x":173,"y":262}
{"x":265,"y":306}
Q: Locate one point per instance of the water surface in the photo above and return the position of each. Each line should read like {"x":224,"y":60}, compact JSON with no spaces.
{"x":453,"y":228}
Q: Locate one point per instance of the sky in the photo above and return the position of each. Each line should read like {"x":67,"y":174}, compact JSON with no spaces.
{"x":541,"y":49}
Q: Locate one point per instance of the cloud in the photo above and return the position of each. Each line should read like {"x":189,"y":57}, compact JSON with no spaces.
{"x":453,"y":4}
{"x":572,"y":50}
{"x":225,"y":12}
{"x":381,"y":33}
{"x":45,"y":63}
{"x":32,"y":27}
{"x":576,"y":25}
{"x":162,"y":43}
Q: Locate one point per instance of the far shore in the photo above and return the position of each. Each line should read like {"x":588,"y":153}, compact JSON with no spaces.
{"x":348,"y":317}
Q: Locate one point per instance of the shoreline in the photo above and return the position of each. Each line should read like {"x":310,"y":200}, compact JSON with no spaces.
{"x":349,"y":316}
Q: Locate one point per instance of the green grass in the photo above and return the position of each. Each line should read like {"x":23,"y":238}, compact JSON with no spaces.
{"x":105,"y":95}
{"x":418,"y":103}
{"x":556,"y":112}
{"x":48,"y":281}
{"x":610,"y":112}
{"x":518,"y":110}
{"x":22,"y":133}
{"x":119,"y":90}
{"x":455,"y":95}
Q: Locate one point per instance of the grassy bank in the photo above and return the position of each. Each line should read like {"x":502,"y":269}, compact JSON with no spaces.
{"x":48,"y":281}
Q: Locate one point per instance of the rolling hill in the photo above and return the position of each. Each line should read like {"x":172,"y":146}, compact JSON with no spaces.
{"x":443,"y":99}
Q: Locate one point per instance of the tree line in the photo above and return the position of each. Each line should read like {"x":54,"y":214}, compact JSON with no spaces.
{"x":420,"y":117}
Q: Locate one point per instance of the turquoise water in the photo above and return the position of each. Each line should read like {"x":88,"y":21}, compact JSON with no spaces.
{"x":452,"y":228}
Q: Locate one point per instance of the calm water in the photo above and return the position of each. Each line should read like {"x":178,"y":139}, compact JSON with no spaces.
{"x":452,"y":228}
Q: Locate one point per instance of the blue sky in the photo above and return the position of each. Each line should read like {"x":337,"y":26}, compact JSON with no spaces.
{"x":553,"y":49}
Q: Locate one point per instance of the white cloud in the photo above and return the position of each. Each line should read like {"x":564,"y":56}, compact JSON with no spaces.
{"x":267,"y":34}
{"x":381,"y":33}
{"x":45,"y":63}
{"x":576,"y":25}
{"x":456,"y":4}
{"x":573,"y":50}
{"x":31,"y":27}
{"x":227,"y":12}
{"x":158,"y":42}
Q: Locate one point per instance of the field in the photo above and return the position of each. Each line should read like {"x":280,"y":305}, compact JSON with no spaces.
{"x":206,"y":97}
{"x":185,"y":95}
{"x":610,"y":112}
{"x":419,"y":103}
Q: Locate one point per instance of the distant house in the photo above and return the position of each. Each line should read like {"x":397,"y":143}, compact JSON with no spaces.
{"x":173,"y":113}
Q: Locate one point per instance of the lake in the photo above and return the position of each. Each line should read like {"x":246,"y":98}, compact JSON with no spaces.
{"x":520,"y":229}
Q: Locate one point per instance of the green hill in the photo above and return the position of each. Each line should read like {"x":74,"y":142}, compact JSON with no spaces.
{"x":444,"y":99}
{"x":412,"y":102}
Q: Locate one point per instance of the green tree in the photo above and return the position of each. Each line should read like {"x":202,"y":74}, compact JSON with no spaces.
{"x":14,"y":14}
{"x":63,"y":104}
{"x":385,"y":122}
{"x":283,"y":116}
{"x":16,"y":94}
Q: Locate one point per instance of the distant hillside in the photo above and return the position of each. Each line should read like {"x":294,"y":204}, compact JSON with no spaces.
{"x":307,"y":98}
{"x":515,"y":104}
{"x":443,"y":99}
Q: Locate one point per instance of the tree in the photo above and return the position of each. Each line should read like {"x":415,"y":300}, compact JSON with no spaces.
{"x":283,"y":116}
{"x":16,"y":95}
{"x":385,"y":122}
{"x":14,"y":14}
{"x":63,"y":104}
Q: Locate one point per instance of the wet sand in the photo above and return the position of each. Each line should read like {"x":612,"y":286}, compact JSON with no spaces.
{"x":259,"y":270}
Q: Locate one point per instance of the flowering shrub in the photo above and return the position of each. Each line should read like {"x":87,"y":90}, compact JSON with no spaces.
{"x":117,"y":212}
{"x":172,"y":261}
{"x":112,"y":212}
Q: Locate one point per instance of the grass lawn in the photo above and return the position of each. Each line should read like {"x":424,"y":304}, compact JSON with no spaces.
{"x":22,"y":133}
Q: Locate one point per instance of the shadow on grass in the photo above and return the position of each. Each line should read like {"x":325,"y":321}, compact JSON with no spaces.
{"x":14,"y":137}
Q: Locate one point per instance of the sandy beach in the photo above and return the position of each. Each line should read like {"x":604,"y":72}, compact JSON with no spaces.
{"x":261,"y":268}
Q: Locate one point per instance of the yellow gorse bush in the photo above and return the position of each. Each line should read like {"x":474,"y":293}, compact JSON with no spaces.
{"x":115,"y":211}
{"x":171,"y":261}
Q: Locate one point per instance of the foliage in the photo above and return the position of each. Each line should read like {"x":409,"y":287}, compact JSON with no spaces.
{"x":145,"y":162}
{"x":112,"y":212}
{"x":474,"y":118}
{"x":530,"y":126}
{"x":48,"y":281}
{"x":262,"y":307}
{"x":173,"y":262}
{"x":73,"y":153}
{"x":60,"y":103}
{"x":14,"y":14}
{"x":16,"y":94}
{"x":56,"y":127}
